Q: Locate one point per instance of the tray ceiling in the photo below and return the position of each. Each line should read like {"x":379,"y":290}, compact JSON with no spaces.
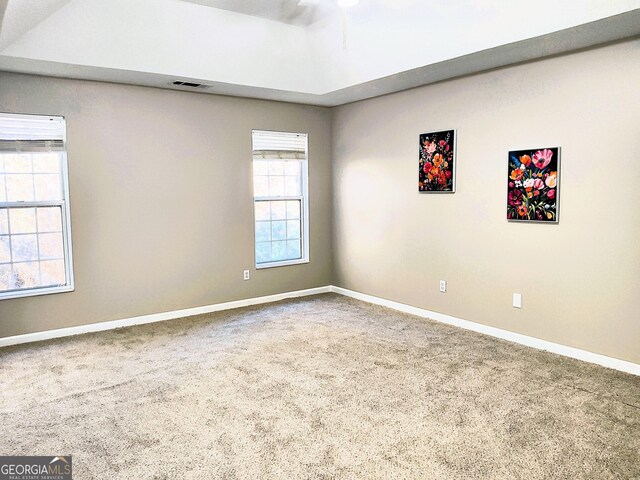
{"x":307,"y":51}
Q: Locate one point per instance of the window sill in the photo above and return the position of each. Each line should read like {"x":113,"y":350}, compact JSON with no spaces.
{"x":36,"y":292}
{"x":285,"y":263}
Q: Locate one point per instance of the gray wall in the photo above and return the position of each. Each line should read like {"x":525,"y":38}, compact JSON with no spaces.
{"x":161,"y":199}
{"x":162,"y":210}
{"x":579,"y":279}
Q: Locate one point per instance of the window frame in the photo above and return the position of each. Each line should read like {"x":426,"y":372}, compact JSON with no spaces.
{"x":304,"y":207}
{"x":65,"y":213}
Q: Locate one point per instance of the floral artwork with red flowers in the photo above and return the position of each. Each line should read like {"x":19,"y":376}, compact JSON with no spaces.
{"x":533,"y":185}
{"x":437,"y":157}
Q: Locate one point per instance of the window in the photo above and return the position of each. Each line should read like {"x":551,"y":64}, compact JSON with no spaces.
{"x":281,"y":204}
{"x":35,"y":239}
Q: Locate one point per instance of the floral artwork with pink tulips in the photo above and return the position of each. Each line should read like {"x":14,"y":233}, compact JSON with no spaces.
{"x":533,"y":185}
{"x":436,"y":169}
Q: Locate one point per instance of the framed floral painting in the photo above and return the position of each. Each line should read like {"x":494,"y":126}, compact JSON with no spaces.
{"x":437,"y":168}
{"x":532,"y":195}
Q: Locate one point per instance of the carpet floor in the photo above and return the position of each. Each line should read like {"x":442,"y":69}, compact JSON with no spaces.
{"x":320,"y":387}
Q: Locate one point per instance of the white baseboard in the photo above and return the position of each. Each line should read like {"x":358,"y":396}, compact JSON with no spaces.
{"x":571,"y":352}
{"x":156,"y":317}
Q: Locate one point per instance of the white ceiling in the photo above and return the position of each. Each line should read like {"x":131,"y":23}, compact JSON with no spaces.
{"x":307,"y":51}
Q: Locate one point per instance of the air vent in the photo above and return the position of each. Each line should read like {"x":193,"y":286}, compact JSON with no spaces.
{"x":188,"y":84}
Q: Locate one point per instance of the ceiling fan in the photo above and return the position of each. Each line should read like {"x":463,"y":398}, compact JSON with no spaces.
{"x":344,"y":5}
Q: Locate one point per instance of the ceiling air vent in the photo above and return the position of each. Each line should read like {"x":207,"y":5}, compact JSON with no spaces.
{"x":188,"y":84}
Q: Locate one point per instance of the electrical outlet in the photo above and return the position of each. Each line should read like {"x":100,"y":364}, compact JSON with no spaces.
{"x":247,"y":275}
{"x":517,"y":300}
{"x":443,"y":286}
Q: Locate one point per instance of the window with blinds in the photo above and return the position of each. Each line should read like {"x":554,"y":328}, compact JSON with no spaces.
{"x":281,"y":205}
{"x":35,"y":239}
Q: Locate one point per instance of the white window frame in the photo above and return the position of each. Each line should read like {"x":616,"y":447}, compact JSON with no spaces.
{"x":66,"y":220}
{"x":304,"y":209}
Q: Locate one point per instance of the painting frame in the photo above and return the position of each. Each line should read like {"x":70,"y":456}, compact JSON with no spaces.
{"x":551,"y":168}
{"x":437,"y":136}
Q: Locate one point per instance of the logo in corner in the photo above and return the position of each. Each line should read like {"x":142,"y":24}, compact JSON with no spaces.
{"x":36,"y":468}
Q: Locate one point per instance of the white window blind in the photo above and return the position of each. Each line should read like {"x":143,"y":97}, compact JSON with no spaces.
{"x":281,"y":208}
{"x":35,"y":240}
{"x":279,"y":145}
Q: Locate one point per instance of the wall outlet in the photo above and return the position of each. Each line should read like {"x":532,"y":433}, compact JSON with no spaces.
{"x":443,"y":286}
{"x":247,"y":275}
{"x":517,"y":300}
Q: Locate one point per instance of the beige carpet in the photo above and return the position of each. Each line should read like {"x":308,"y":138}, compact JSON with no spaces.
{"x":323,"y":387}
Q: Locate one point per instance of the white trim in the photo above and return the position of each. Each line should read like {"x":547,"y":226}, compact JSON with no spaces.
{"x":537,"y":343}
{"x":34,"y":292}
{"x":156,"y":317}
{"x":283,"y":263}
